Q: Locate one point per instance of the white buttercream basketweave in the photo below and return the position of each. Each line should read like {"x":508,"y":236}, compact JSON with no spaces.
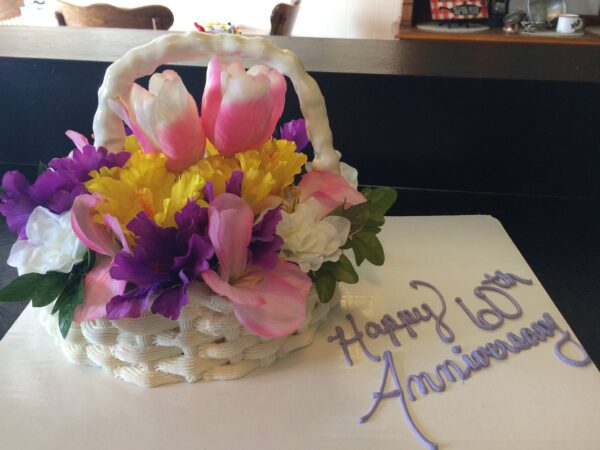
{"x":207,"y":342}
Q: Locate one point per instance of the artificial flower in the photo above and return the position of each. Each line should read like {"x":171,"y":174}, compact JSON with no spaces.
{"x":161,"y":264}
{"x":164,"y":119}
{"x":265,"y":243}
{"x":310,"y":240}
{"x":142,"y":185}
{"x":51,"y":244}
{"x":57,"y":187}
{"x":85,"y":158}
{"x":295,"y":130}
{"x":329,"y":189}
{"x":269,"y":302}
{"x":240,"y":109}
{"x":101,"y":238}
{"x":98,"y":288}
{"x":269,"y":170}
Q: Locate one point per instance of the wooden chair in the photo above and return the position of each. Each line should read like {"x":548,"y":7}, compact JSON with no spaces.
{"x":10,"y":9}
{"x":283,"y":18}
{"x":152,"y":17}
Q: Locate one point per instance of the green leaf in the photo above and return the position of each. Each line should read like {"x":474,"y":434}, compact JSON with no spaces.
{"x":67,"y":293}
{"x":65,"y":313}
{"x":375,"y":220}
{"x":367,"y":246}
{"x":342,"y":270}
{"x":371,"y":229}
{"x":381,"y":199}
{"x":21,"y":288}
{"x":88,"y":261}
{"x":49,"y":287}
{"x":356,"y":214}
{"x":42,"y":167}
{"x":325,"y":285}
{"x":65,"y":318}
{"x":360,"y":250}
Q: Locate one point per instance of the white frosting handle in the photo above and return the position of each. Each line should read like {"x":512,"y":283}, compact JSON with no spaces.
{"x":144,"y":60}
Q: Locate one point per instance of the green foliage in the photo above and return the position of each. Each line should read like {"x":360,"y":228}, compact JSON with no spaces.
{"x":366,"y":220}
{"x":330,"y":274}
{"x":43,"y":289}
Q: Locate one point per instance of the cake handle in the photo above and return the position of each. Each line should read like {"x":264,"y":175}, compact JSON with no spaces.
{"x":144,"y":60}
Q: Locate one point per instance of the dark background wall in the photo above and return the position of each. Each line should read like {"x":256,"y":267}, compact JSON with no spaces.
{"x":496,"y":136}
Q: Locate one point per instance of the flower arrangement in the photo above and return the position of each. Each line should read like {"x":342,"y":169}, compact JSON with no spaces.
{"x":211,"y":198}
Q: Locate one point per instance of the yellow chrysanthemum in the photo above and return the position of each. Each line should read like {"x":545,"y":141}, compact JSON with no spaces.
{"x":145,"y":184}
{"x":268,"y":170}
{"x":142,"y":184}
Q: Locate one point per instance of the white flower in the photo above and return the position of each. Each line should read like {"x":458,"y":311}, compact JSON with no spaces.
{"x":308,"y":241}
{"x":50,"y":245}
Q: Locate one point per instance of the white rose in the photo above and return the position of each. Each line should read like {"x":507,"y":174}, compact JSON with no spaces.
{"x":308,"y":241}
{"x":50,"y":245}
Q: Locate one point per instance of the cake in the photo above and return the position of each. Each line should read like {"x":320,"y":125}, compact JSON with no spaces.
{"x":452,"y":344}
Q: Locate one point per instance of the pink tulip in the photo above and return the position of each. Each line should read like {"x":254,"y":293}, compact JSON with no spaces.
{"x":240,"y":109}
{"x":165,"y":118}
{"x":98,"y":286}
{"x":330,"y":190}
{"x":268,"y":302}
{"x":98,"y":289}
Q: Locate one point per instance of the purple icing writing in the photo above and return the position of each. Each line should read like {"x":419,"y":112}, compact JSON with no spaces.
{"x":398,"y":392}
{"x":389,"y":325}
{"x":503,"y":280}
{"x":566,"y":338}
{"x":451,"y":371}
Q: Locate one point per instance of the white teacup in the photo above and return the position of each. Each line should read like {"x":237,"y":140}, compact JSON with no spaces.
{"x":569,"y":23}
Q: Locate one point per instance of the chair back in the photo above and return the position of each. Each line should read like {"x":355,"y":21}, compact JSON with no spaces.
{"x":10,"y":9}
{"x":153,"y":17}
{"x":283,"y":18}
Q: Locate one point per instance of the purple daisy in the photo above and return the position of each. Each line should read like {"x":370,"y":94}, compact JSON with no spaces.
{"x":162,"y":263}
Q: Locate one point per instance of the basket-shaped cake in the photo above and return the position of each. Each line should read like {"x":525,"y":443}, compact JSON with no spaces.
{"x":188,"y":245}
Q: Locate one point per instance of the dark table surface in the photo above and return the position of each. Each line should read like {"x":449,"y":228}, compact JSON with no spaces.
{"x":559,"y":238}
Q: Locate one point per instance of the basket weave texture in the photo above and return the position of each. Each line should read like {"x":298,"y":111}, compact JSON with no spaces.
{"x":207,"y":342}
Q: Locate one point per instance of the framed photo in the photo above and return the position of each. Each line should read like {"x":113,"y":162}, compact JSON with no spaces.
{"x":459,"y":9}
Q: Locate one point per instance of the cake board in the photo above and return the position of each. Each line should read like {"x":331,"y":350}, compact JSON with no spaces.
{"x":313,"y":399}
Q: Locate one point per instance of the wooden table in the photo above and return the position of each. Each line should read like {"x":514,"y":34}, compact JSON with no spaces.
{"x":494,"y":35}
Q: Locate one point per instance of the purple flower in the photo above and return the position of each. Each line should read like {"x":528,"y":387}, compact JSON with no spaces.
{"x":52,"y":190}
{"x":295,"y":130}
{"x":55,"y":189}
{"x":162,"y":263}
{"x":232,"y":186}
{"x":86,"y":159}
{"x":265,"y":243}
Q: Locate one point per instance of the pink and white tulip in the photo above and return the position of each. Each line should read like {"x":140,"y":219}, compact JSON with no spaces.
{"x":164,"y":118}
{"x":330,"y":190}
{"x":240,"y":109}
{"x":268,"y":302}
{"x":98,"y":285}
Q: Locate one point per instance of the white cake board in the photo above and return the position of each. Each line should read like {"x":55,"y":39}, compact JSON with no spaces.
{"x":312,"y":399}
